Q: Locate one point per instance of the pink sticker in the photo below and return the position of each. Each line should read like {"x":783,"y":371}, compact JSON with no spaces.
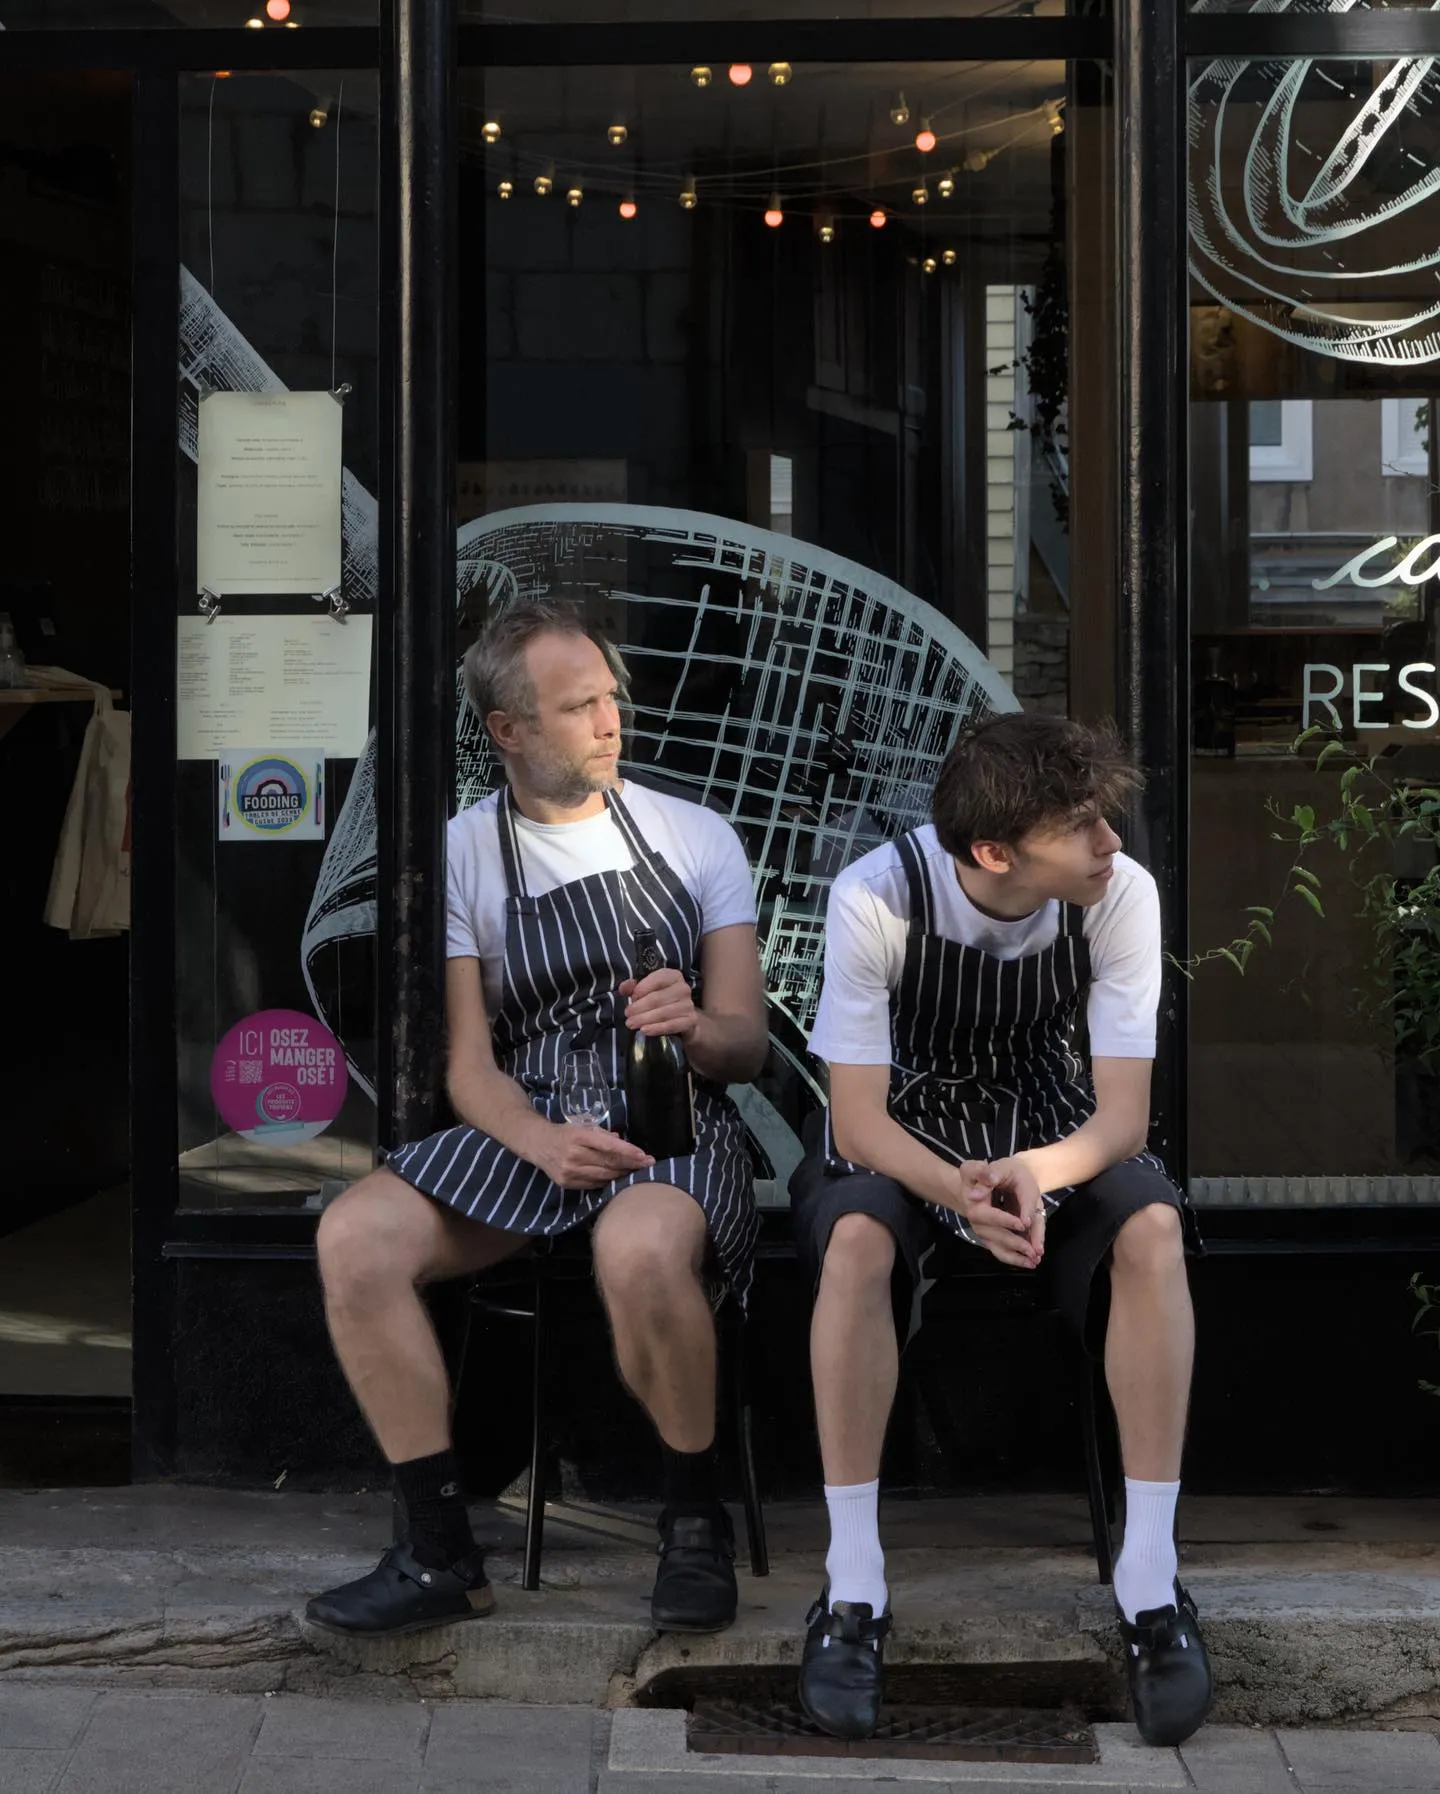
{"x":278,"y":1077}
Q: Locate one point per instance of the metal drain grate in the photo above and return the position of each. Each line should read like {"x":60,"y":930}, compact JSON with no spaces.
{"x":934,"y":1734}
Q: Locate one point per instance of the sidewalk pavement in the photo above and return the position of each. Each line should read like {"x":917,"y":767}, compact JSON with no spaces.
{"x":71,"y":1741}
{"x":1317,"y":1612}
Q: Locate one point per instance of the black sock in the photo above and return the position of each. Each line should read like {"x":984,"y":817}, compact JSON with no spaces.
{"x":438,"y":1525}
{"x":690,"y":1480}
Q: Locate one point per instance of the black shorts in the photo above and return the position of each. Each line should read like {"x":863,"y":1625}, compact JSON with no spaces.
{"x":1078,"y":1235}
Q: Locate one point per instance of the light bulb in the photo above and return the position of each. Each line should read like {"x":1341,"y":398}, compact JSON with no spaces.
{"x":1054,"y":117}
{"x":701,"y":75}
{"x":254,"y":24}
{"x":543,"y":184}
{"x":689,"y":198}
{"x":925,"y":139}
{"x":774,"y":214}
{"x":827,"y":233}
{"x":741,"y":74}
{"x":505,"y":189}
{"x":628,"y":208}
{"x":617,"y":134}
{"x":900,"y":112}
{"x":277,"y":10}
{"x":928,"y":264}
{"x":878,"y":218}
{"x":490,"y":130}
{"x":921,"y":195}
{"x":780,"y":73}
{"x":949,"y":257}
{"x":945,"y":186}
{"x":977,"y":161}
{"x":573,"y":196}
{"x":318,"y":117}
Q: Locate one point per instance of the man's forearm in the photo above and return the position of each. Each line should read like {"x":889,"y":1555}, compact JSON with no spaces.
{"x":496,"y":1105}
{"x":880,"y":1144}
{"x":727,"y":1049}
{"x":1104,"y":1140}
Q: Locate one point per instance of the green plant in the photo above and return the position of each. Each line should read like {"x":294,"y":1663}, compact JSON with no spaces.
{"x":1376,"y":816}
{"x":1428,"y":1297}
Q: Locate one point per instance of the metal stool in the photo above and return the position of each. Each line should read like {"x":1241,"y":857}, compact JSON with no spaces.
{"x":547,"y":1267}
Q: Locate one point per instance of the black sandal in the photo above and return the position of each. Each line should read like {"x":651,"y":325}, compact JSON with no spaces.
{"x":1166,"y":1664}
{"x":842,"y":1670}
{"x":695,"y":1585}
{"x":401,"y":1594}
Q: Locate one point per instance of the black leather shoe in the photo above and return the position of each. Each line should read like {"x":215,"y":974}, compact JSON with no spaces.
{"x":403,"y":1595}
{"x":695,"y":1584}
{"x":1170,"y":1685}
{"x":842,"y":1671}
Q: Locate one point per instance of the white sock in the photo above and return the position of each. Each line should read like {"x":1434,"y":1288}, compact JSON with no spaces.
{"x":855,"y":1563}
{"x":1145,"y":1569}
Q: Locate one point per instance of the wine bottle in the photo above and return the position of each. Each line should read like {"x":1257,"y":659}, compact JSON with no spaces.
{"x":659,"y":1098}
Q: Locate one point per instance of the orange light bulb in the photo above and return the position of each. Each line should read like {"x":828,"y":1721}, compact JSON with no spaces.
{"x":628,"y":208}
{"x":277,"y":10}
{"x":925,"y":139}
{"x":741,"y":74}
{"x":774,"y":215}
{"x":878,"y":219}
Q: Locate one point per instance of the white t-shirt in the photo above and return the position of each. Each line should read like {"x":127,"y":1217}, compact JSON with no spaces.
{"x":868,"y":917}
{"x":699,"y":846}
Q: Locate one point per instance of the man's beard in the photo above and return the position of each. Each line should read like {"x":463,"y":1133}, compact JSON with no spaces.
{"x":569,"y":782}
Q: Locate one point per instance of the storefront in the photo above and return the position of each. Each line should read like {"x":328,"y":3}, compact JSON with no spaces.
{"x":865,"y":367}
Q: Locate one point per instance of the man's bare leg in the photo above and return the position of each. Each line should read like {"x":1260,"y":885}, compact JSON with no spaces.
{"x":377,"y":1244}
{"x":1149,"y":1356}
{"x":854,"y":1364}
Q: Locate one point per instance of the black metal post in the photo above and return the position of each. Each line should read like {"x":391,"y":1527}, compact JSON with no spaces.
{"x":1154,"y":513}
{"x":155,"y":451}
{"x":419,"y":180}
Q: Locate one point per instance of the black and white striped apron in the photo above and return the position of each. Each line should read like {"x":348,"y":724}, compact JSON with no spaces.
{"x":566,"y":953}
{"x":983,"y":1057}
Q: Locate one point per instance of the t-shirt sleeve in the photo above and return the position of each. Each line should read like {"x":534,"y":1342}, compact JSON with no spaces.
{"x":461,"y":940}
{"x":727,"y":891}
{"x":1125,"y":972}
{"x":852,"y":1024}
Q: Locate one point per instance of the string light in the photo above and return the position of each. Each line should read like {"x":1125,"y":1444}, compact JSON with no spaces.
{"x":277,"y":10}
{"x":574,"y":196}
{"x":617,"y":134}
{"x":949,"y":257}
{"x":490,"y":130}
{"x":929,"y":264}
{"x":254,"y":24}
{"x":319,"y":115}
{"x":543,"y":184}
{"x":740,"y":74}
{"x":505,"y":189}
{"x":781,"y":74}
{"x":921,"y":195}
{"x":628,"y":208}
{"x":1054,"y":117}
{"x":701,"y":75}
{"x":978,"y":160}
{"x":827,"y":232}
{"x":925,"y":138}
{"x":774,"y":212}
{"x":900,"y":112}
{"x":878,"y":218}
{"x":689,"y":198}
{"x":945,"y":186}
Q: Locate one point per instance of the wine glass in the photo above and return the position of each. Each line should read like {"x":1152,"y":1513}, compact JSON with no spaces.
{"x":584,"y":1091}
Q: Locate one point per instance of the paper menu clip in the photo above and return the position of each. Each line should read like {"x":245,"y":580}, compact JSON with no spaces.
{"x":339,"y":604}
{"x":341,"y":392}
{"x":209,"y":604}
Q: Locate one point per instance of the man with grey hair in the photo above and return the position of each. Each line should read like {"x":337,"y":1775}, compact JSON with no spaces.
{"x":550,"y":879}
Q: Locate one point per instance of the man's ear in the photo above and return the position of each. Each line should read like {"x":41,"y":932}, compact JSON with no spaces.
{"x":992,"y":856}
{"x":504,"y":729}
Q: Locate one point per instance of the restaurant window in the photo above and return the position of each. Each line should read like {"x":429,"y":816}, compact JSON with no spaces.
{"x":1314,"y":366}
{"x":781,"y":378}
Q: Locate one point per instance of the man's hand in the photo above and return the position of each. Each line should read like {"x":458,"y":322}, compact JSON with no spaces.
{"x":582,"y":1158}
{"x":1001,"y":1202}
{"x":660,"y":1003}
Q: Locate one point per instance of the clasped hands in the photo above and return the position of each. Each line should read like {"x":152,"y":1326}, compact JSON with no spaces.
{"x":1000,"y":1200}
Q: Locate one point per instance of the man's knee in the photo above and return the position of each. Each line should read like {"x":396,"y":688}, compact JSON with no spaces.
{"x":1151,"y":1242}
{"x":860,"y":1254}
{"x":647,"y":1251}
{"x":378,"y":1233}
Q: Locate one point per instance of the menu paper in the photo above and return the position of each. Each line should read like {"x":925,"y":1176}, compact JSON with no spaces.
{"x":304,"y":678}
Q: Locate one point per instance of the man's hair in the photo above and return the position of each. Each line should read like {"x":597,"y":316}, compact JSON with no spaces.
{"x":496,"y":676}
{"x":1015,"y":772}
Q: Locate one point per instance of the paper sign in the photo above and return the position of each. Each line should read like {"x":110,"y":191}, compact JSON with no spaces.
{"x":278,"y":1077}
{"x":273,"y":679}
{"x":267,"y":795}
{"x":268,"y":493}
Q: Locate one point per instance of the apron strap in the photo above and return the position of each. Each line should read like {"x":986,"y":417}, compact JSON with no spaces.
{"x":1072,"y":920}
{"x":510,"y":849}
{"x":639,"y":847}
{"x":922,"y":917}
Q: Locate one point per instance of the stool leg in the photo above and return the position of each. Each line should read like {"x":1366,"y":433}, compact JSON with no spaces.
{"x":1100,"y":1498}
{"x":535,"y":1507}
{"x":745,"y":1441}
